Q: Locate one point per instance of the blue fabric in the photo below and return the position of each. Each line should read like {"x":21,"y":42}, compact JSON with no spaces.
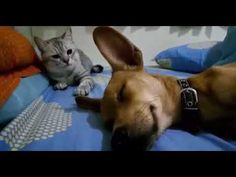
{"x":228,"y":47}
{"x":186,"y":58}
{"x":28,"y":89}
{"x":87,"y":132}
{"x":178,"y":140}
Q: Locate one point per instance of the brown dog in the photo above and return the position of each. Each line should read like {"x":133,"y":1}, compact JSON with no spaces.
{"x":140,"y":106}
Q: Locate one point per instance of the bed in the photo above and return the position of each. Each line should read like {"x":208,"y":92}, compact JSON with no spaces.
{"x":53,"y":122}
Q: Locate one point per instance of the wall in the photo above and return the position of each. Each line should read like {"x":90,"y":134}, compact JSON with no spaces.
{"x":150,"y":39}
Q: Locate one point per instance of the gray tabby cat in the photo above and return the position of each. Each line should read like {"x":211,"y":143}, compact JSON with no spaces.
{"x":66,"y":64}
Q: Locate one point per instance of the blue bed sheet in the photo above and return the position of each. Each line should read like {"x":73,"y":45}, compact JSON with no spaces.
{"x":87,"y":132}
{"x":28,"y":89}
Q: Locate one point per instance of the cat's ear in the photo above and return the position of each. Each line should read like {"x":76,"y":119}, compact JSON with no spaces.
{"x":68,"y":34}
{"x":41,"y":44}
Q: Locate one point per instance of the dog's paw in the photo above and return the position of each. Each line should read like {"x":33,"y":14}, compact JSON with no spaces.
{"x":60,"y":86}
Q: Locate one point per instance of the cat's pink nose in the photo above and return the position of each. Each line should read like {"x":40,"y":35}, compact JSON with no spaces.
{"x":66,"y":61}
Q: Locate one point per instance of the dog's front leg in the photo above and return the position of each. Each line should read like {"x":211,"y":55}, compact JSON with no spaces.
{"x":88,"y":103}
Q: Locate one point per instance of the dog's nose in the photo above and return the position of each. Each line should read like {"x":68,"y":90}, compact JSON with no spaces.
{"x":123,"y":141}
{"x":120,"y":139}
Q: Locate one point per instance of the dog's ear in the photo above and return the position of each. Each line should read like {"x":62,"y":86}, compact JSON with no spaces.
{"x":88,"y":103}
{"x":120,"y":53}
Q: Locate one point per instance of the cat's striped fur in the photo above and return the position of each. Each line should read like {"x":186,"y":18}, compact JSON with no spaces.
{"x":66,"y":64}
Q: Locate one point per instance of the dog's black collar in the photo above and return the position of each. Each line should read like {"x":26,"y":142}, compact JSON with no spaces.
{"x":189,"y":102}
{"x":189,"y":97}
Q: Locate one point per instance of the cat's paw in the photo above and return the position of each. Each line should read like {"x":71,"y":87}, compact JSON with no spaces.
{"x":60,"y":86}
{"x":82,"y":90}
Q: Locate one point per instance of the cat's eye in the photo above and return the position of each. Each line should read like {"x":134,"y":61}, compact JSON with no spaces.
{"x":56,"y":56}
{"x":69,"y":51}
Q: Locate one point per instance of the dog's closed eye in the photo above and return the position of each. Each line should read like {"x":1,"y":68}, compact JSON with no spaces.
{"x":120,"y":96}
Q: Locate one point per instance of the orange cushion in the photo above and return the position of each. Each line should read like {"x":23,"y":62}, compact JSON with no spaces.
{"x":9,"y":81}
{"x":15,"y":50}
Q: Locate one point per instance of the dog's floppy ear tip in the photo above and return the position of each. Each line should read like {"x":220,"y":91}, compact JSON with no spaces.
{"x":102,"y":30}
{"x":97,"y":31}
{"x":117,"y":49}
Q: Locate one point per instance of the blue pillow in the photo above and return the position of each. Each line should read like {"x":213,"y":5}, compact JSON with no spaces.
{"x":28,"y":90}
{"x":228,"y":47}
{"x":193,"y":57}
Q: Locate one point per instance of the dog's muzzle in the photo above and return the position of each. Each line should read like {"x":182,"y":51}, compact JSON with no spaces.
{"x":120,"y":139}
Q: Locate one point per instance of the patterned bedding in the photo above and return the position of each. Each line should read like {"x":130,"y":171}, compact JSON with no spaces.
{"x":53,"y":122}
